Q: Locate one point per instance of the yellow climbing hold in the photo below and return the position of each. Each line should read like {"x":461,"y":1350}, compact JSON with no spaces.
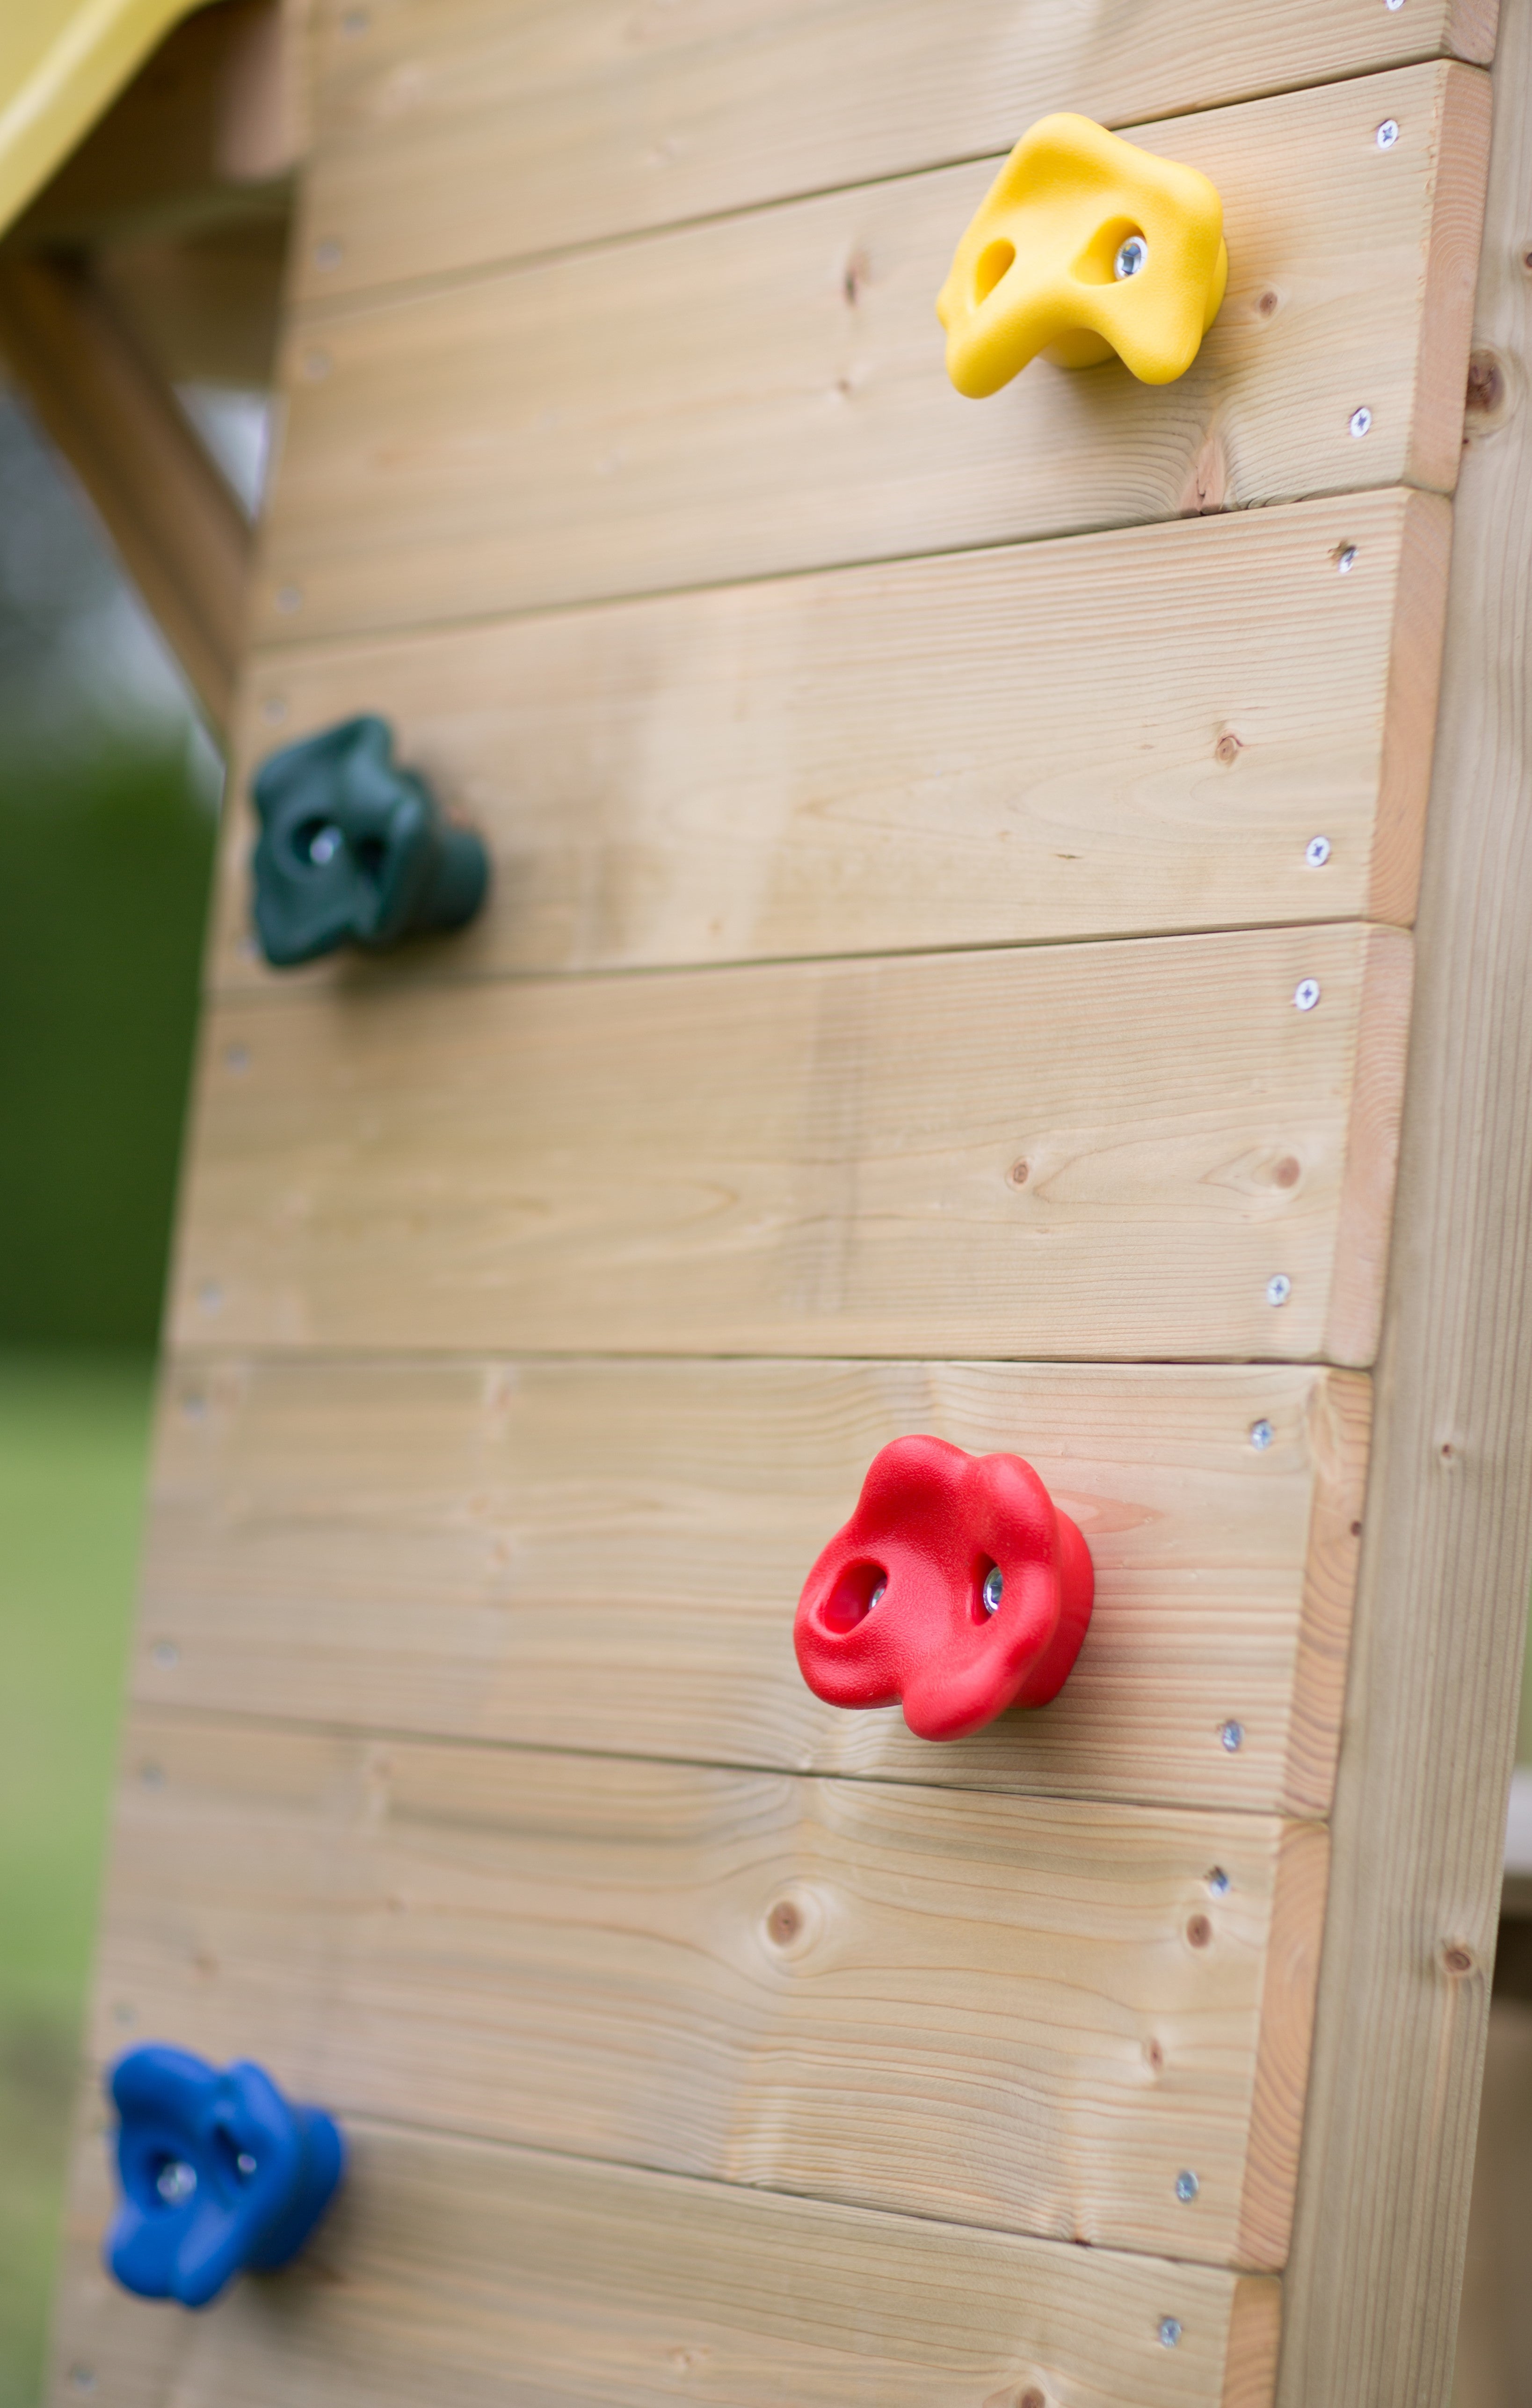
{"x":1085,"y":245}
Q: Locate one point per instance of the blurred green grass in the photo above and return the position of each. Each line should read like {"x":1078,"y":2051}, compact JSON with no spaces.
{"x":73,"y":1440}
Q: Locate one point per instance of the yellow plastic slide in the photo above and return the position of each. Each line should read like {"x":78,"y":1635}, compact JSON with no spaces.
{"x":63,"y":63}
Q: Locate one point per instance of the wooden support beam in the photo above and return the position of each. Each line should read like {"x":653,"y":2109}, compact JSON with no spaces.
{"x":182,"y":536}
{"x":1442,"y":1609}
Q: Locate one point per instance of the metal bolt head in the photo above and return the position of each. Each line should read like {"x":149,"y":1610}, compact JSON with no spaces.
{"x":993,"y":1590}
{"x":1316,"y":853}
{"x":1187,"y":2186}
{"x":1388,"y":133}
{"x":1345,"y":560}
{"x":1360,"y":422}
{"x":1218,"y":1882}
{"x":1306,"y":994}
{"x":1233,"y":1736}
{"x":1169,"y":2332}
{"x":1132,"y":258}
{"x":1261,"y":1435}
{"x":174,"y":2182}
{"x":1279,"y":1287}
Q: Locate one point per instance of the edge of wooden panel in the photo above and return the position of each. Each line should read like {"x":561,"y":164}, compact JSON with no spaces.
{"x":1287,"y":2027}
{"x":1340,"y":1420}
{"x":1255,"y":2319}
{"x":1355,"y":1316}
{"x":1470,"y":30}
{"x":1410,"y":711}
{"x":1451,"y":261}
{"x":1431,"y":1708}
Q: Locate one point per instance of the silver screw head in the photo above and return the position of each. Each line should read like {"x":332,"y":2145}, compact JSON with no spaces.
{"x":1388,"y":133}
{"x":1233,"y":1736}
{"x":174,"y":2182}
{"x":1169,"y":2332}
{"x":324,"y":846}
{"x":994,"y":1589}
{"x":1187,"y":2186}
{"x":1316,"y":853}
{"x":1279,"y":1287}
{"x":1345,"y":560}
{"x":1218,"y":1882}
{"x":166,"y":1654}
{"x":1360,"y":422}
{"x":1306,"y":994}
{"x":1132,"y":258}
{"x":1261,"y":1435}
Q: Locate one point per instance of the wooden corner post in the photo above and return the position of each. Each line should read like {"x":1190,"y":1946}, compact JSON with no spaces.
{"x":1426,"y":1755}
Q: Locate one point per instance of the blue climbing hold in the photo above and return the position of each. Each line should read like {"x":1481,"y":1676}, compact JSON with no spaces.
{"x":219,"y":2173}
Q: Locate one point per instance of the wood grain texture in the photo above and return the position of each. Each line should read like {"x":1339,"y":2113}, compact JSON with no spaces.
{"x":1116,"y":734}
{"x":780,"y":401}
{"x":813,"y":1159}
{"x":1431,"y":1712}
{"x":453,"y":2269}
{"x":456,"y":133}
{"x":606,"y":1556}
{"x":1021,"y":2014}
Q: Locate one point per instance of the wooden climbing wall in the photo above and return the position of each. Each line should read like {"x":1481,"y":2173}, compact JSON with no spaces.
{"x":904,"y":815}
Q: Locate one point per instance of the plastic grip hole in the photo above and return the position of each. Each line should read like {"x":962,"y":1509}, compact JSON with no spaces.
{"x":852,"y":1597}
{"x":994,"y":261}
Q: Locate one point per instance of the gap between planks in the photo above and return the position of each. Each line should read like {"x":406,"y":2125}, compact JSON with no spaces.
{"x":466,"y":452}
{"x":457,"y":135}
{"x":790,"y":1981}
{"x":386,"y":1543}
{"x":1259,"y":696}
{"x":463,"y":2258}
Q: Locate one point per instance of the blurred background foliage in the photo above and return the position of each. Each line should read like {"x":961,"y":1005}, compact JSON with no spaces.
{"x":109,"y":795}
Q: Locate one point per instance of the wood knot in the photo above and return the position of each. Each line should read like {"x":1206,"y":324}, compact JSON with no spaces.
{"x":1228,"y":747}
{"x":1199,"y":1931}
{"x":1018,"y":1173}
{"x":784,"y":1922}
{"x":1286,"y":1173}
{"x":1269,"y":303}
{"x":1154,"y":2056}
{"x":1456,"y":1960}
{"x":857,"y":273}
{"x":1486,"y":403}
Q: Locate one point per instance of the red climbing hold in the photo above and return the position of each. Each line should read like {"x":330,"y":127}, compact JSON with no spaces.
{"x":957,"y":1587}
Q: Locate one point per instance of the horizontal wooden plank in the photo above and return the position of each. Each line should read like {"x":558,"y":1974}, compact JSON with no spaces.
{"x":1115,"y":734}
{"x":606,"y":1556}
{"x":1087,"y":1151}
{"x":453,"y":133}
{"x":767,"y":392}
{"x":449,"y":2269}
{"x":1021,"y":2014}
